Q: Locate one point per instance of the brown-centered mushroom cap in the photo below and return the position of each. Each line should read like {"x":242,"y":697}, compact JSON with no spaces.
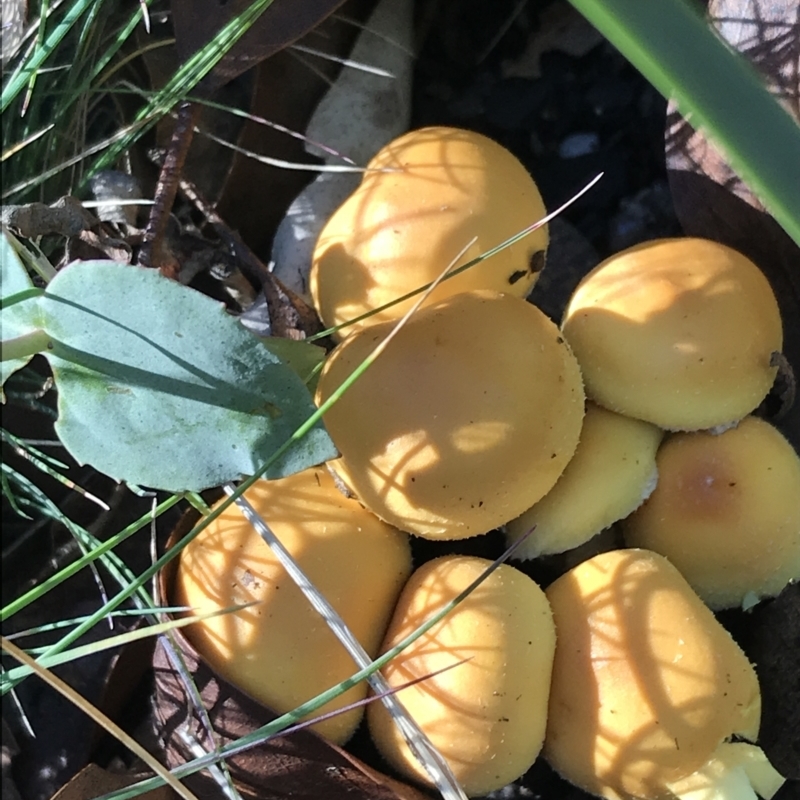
{"x":726,"y":512}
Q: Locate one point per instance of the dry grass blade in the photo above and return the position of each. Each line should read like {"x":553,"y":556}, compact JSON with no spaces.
{"x":436,"y":766}
{"x":98,"y":716}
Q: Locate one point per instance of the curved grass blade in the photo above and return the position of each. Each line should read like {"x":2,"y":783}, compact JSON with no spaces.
{"x":450,"y":274}
{"x":109,"y":643}
{"x":718,"y":90}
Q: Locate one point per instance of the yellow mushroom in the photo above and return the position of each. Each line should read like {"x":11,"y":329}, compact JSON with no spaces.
{"x":726,"y":512}
{"x":487,"y":715}
{"x":424,"y":197}
{"x":612,"y":472}
{"x":280,"y":651}
{"x":465,"y":420}
{"x":647,"y":685}
{"x":678,"y":332}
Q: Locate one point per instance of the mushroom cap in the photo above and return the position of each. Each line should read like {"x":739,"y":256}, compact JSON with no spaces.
{"x":678,"y":332}
{"x":423,"y":199}
{"x":465,"y":420}
{"x":280,"y":651}
{"x":646,"y":683}
{"x":726,"y":512}
{"x":486,"y":716}
{"x":612,"y":472}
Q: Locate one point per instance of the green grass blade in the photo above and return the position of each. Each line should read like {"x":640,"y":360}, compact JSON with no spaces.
{"x":673,"y":46}
{"x":112,"y":642}
{"x":188,"y":75}
{"x":71,"y":569}
{"x":21,"y":78}
{"x":71,"y":623}
{"x":40,"y":34}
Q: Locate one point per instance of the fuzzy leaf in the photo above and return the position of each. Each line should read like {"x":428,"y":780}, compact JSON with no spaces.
{"x":20,"y":318}
{"x":159,"y":386}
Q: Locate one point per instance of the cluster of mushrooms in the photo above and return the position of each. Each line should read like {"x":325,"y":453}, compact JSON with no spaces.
{"x":481,"y":414}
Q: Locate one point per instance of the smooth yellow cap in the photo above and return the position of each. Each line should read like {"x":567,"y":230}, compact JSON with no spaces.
{"x":612,"y":472}
{"x":422,"y":200}
{"x":280,"y":651}
{"x":465,"y":420}
{"x":646,"y":683}
{"x":486,"y":716}
{"x":678,"y":332}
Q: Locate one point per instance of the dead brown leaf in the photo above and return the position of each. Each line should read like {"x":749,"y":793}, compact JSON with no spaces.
{"x":198,"y":21}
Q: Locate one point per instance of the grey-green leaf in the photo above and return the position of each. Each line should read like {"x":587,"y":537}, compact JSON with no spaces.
{"x":160,"y":387}
{"x":19,"y":318}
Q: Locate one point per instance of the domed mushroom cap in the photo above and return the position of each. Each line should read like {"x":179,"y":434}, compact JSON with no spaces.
{"x":279,"y":650}
{"x":425,"y":196}
{"x":612,"y":472}
{"x":678,"y":332}
{"x":465,"y":420}
{"x":726,"y":512}
{"x":486,"y":716}
{"x":646,"y":683}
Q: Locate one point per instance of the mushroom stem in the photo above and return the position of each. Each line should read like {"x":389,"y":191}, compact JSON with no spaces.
{"x":736,"y":771}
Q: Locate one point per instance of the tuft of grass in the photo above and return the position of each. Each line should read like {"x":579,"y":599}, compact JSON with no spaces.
{"x":55,"y":77}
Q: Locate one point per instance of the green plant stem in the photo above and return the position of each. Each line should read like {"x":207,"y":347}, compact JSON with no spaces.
{"x":671,"y":44}
{"x":122,"y":639}
{"x":19,"y":297}
{"x":25,"y":346}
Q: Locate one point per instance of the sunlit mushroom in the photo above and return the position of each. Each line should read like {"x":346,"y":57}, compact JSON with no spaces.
{"x":612,"y":472}
{"x":726,"y":512}
{"x":648,"y":687}
{"x":486,"y":715}
{"x":678,"y":332}
{"x":424,"y":197}
{"x":465,"y":420}
{"x":280,"y":651}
